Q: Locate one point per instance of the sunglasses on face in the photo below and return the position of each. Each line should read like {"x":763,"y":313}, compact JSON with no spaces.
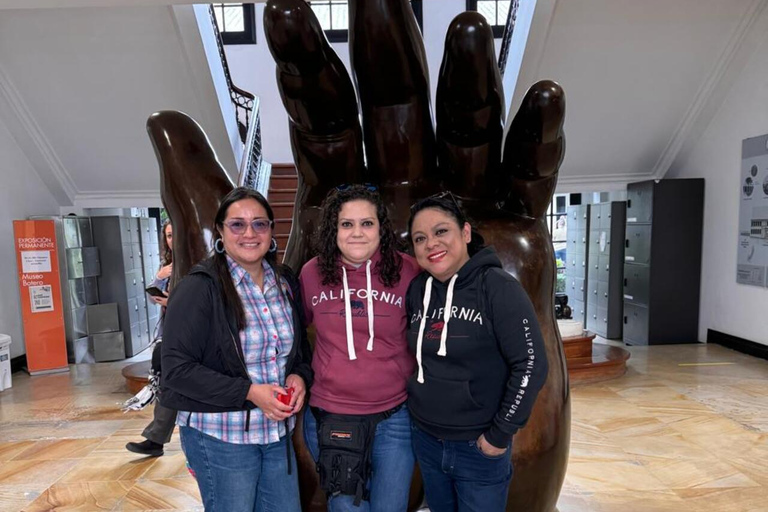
{"x":238,"y":227}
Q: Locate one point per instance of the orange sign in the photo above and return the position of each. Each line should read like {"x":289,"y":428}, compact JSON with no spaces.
{"x":40,"y":289}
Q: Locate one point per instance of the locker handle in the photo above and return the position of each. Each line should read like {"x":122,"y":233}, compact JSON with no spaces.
{"x":625,"y":320}
{"x":626,"y":243}
{"x":629,"y":203}
{"x":625,"y":281}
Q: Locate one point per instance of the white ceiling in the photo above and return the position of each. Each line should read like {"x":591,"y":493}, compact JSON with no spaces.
{"x":639,"y":78}
{"x":86,"y":80}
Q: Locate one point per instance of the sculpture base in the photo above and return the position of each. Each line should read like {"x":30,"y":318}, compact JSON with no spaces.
{"x":588,"y":362}
{"x":136,"y":376}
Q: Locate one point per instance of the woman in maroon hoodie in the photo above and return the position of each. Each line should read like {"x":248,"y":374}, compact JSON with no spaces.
{"x":357,"y":427}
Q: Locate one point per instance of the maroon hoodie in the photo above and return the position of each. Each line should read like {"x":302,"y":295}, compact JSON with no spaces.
{"x":361,"y":361}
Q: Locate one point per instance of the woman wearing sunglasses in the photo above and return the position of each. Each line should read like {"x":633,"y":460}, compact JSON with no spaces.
{"x":357,"y":428}
{"x":236,"y":363}
{"x":480,"y":359}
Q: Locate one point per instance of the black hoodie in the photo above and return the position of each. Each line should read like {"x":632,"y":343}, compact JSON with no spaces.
{"x":494,"y":361}
{"x":202,"y":358}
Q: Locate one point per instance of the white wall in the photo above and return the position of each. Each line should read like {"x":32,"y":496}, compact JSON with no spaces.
{"x":22,"y":193}
{"x":728,"y":307}
{"x":253,"y":69}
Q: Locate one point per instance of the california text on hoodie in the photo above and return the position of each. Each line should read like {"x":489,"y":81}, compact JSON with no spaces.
{"x":481,"y":366}
{"x":361,"y":355}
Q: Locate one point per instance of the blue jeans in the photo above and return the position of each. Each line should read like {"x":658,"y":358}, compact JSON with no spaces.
{"x":390,"y":481}
{"x":241,"y":477}
{"x":458,"y":477}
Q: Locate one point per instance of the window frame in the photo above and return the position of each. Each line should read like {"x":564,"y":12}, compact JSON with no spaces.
{"x":342,"y":35}
{"x":247,"y":36}
{"x":498,"y":30}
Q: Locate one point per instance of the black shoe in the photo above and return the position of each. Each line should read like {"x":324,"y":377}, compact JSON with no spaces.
{"x":147,"y":447}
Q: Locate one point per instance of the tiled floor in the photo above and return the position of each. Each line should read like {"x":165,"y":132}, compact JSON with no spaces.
{"x":685,"y":430}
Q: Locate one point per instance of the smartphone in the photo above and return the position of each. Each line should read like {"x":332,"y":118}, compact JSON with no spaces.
{"x":156,"y":292}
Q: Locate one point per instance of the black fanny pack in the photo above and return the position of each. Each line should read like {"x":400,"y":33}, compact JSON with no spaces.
{"x":346,"y":446}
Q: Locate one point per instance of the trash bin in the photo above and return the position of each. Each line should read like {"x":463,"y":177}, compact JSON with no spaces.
{"x":5,"y":362}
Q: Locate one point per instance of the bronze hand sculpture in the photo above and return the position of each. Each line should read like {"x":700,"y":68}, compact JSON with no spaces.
{"x":506,"y":198}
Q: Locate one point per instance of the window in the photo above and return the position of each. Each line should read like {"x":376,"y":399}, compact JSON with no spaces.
{"x":334,"y":17}
{"x":236,"y":22}
{"x":495,"y":11}
{"x":557,"y":222}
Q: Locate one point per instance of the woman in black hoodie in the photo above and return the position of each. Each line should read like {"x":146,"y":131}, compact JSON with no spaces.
{"x":481,"y":361}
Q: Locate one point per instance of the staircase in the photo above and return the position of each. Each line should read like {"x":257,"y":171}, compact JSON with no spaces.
{"x":282,"y":197}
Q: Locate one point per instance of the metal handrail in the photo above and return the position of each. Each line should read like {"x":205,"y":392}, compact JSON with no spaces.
{"x":243,"y":101}
{"x":506,"y":39}
{"x":254,"y":170}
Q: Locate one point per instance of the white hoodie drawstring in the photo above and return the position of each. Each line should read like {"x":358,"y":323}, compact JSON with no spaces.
{"x":420,"y":339}
{"x":348,"y":312}
{"x":370,"y":305}
{"x":447,"y":317}
{"x":348,"y":317}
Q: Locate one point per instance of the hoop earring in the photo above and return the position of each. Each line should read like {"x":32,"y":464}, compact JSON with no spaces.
{"x":218,"y":246}
{"x":273,"y":245}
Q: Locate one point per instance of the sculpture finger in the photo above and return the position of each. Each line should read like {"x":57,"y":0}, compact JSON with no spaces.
{"x":469,"y":110}
{"x":320,"y":101}
{"x":534,"y":150}
{"x":390,"y":68}
{"x":192,"y":185}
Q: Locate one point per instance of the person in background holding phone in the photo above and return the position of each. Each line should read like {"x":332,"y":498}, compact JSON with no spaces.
{"x":160,"y":429}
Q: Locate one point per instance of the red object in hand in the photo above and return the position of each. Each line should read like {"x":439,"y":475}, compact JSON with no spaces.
{"x":286,"y":399}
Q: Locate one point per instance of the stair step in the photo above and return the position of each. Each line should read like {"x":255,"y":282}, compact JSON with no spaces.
{"x":284,"y":182}
{"x":281,"y":194}
{"x":578,"y":346}
{"x":606,"y":362}
{"x":283,"y":226}
{"x":282,"y":209}
{"x":283,"y":170}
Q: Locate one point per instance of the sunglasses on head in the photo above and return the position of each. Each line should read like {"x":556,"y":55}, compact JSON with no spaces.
{"x":440,"y":195}
{"x":368,"y":186}
{"x":238,"y":227}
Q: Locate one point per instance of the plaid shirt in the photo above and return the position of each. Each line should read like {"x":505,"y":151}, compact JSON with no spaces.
{"x":266,"y":342}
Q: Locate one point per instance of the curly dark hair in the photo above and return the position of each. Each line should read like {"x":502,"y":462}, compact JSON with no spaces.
{"x":329,"y":256}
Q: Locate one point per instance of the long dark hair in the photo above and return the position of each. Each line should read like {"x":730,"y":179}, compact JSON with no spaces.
{"x":167,"y":257}
{"x":231,"y":298}
{"x":446,"y":202}
{"x":329,"y":256}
